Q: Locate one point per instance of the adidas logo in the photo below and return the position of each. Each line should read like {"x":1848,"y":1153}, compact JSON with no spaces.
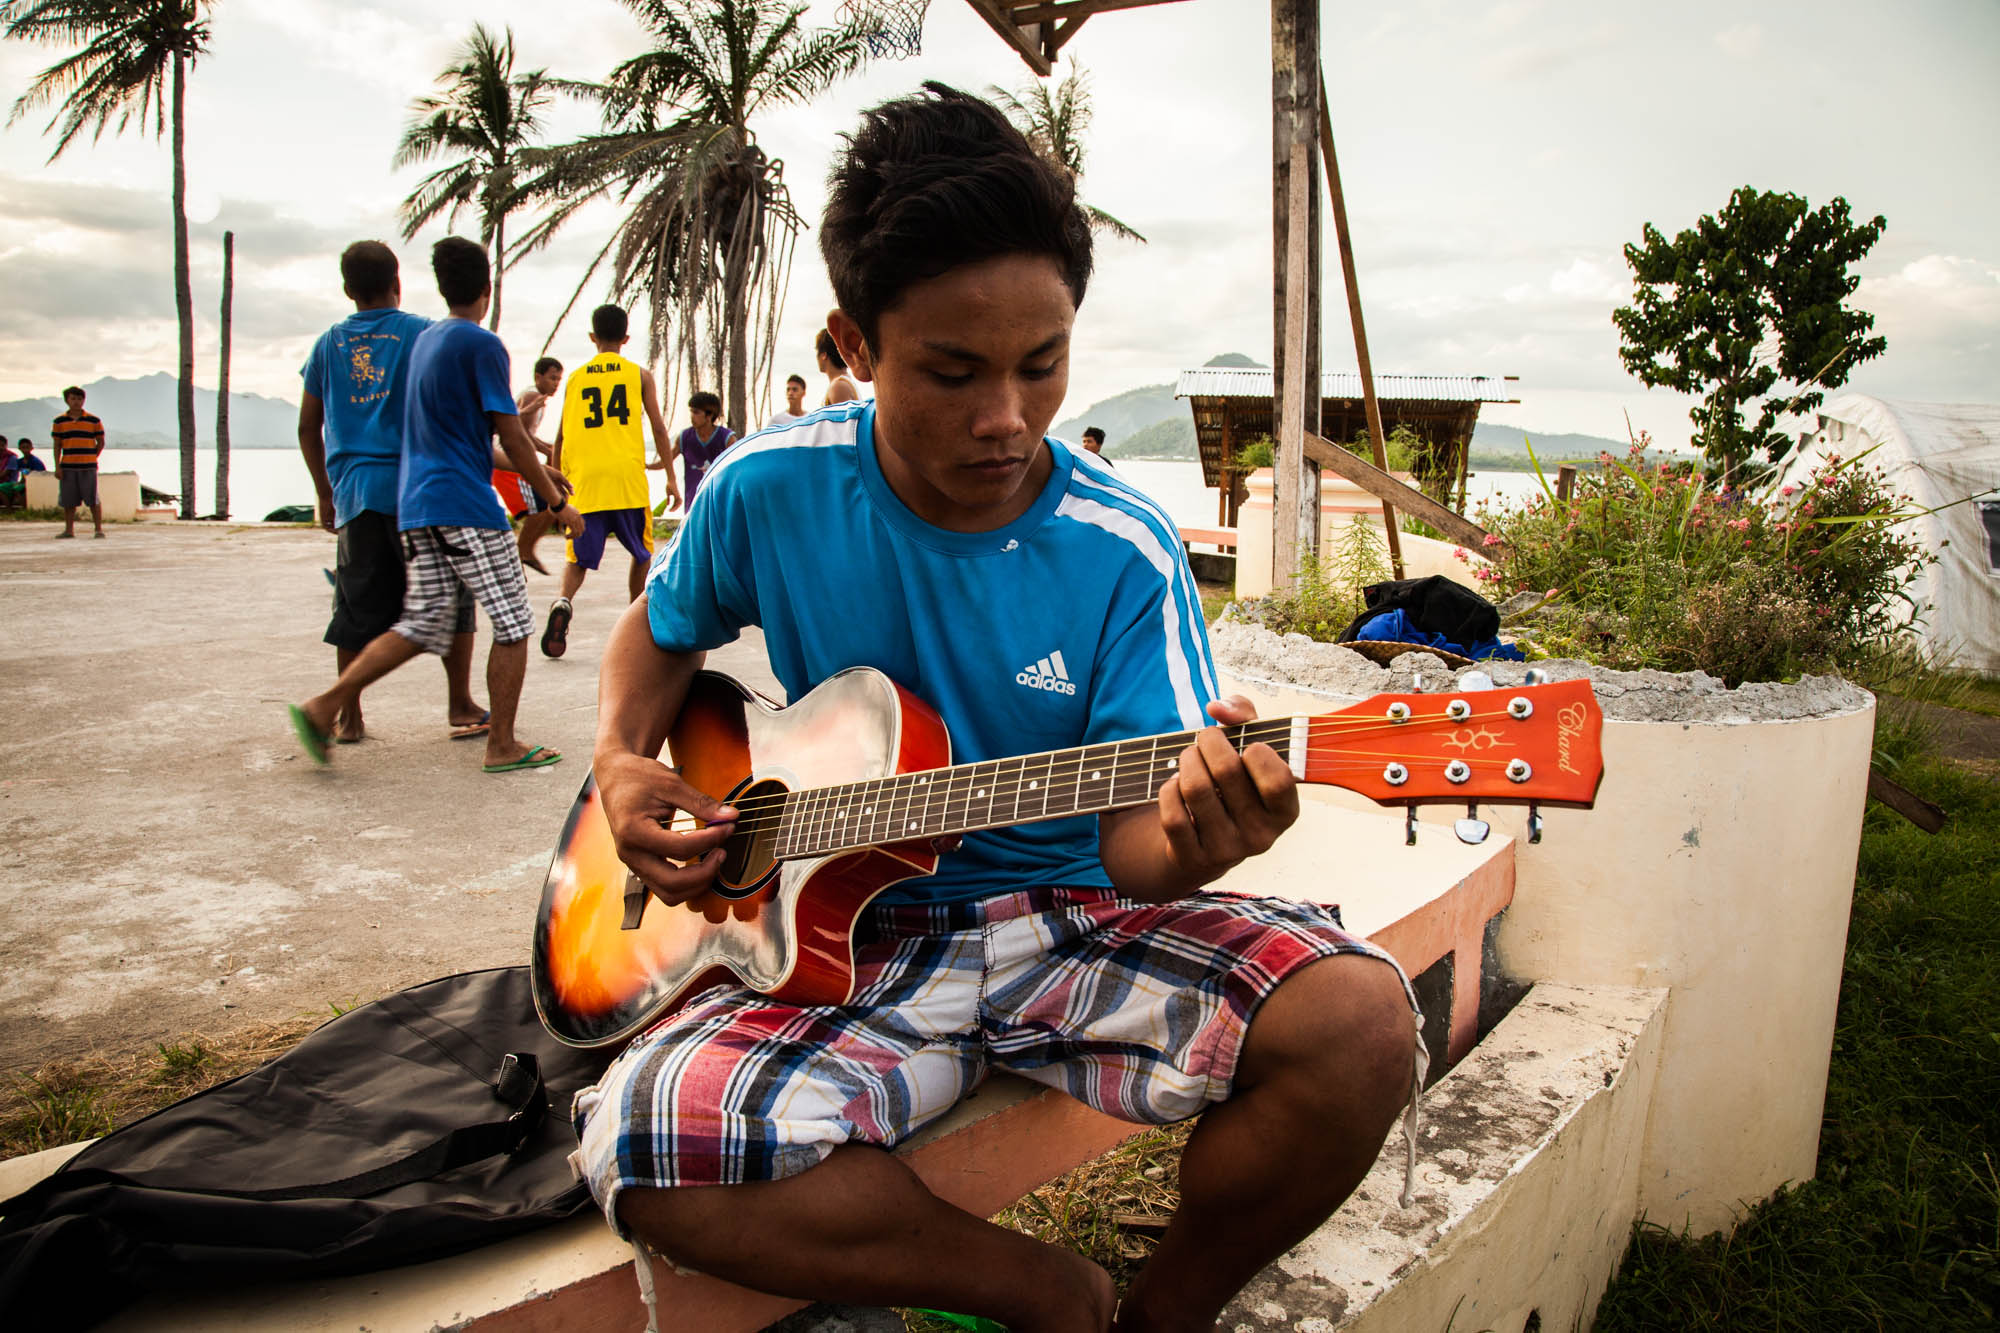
{"x":1048,"y":674}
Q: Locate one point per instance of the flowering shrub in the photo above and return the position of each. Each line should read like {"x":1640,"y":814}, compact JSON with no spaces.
{"x":1655,"y":566}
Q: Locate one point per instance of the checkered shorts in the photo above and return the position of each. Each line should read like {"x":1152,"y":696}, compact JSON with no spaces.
{"x":446,"y":568}
{"x":1139,"y":1010}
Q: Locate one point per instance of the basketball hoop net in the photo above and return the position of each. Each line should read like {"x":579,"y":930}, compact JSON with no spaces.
{"x":894,"y":28}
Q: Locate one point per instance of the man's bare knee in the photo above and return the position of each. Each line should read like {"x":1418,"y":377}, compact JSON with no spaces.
{"x":1339,"y":1029}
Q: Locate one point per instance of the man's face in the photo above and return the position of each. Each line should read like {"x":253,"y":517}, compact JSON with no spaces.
{"x":969,"y":369}
{"x":547,"y":381}
{"x":795,"y":396}
{"x":704,"y":420}
{"x":73,"y":401}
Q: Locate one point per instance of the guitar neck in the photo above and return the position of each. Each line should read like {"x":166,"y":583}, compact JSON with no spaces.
{"x":999,"y":793}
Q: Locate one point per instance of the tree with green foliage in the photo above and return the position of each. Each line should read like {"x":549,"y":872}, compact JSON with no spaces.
{"x":133,"y":65}
{"x":1747,"y":310}
{"x":1055,"y":121}
{"x":709,"y":225}
{"x":486,"y":115}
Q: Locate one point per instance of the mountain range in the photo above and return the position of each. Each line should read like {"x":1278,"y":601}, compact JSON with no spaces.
{"x":143,"y":414}
{"x":1147,"y":422}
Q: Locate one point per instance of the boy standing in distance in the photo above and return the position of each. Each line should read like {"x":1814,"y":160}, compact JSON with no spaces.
{"x":457,"y":541}
{"x":703,"y":442}
{"x":795,"y":402}
{"x":1078,"y":952}
{"x":516,"y":495}
{"x":351,"y":436}
{"x":602,"y":450}
{"x":1093,"y":440}
{"x":79,"y":439}
{"x":833,"y":365}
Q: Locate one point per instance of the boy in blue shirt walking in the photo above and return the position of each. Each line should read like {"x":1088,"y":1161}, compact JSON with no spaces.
{"x":351,"y":435}
{"x":1037,"y":602}
{"x":457,"y":542}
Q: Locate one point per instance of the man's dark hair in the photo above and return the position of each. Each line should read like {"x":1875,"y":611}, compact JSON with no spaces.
{"x":463,"y":271}
{"x":546,"y":364}
{"x":704,"y":401}
{"x":72,"y":389}
{"x":368,"y":270}
{"x":608,"y":322}
{"x":799,"y":380}
{"x":1093,"y":433}
{"x":27,"y":446}
{"x":828,"y":348}
{"x":934,"y":181}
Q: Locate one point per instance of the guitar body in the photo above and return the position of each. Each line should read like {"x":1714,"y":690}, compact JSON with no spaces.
{"x":781,"y":927}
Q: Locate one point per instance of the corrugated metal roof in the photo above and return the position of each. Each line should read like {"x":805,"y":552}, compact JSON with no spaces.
{"x":1244,"y":382}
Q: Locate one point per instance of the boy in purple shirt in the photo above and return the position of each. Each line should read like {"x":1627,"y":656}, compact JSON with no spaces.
{"x":702,"y":443}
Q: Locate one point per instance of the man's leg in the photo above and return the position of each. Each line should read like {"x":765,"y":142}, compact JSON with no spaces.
{"x":388,"y":651}
{"x":1326,"y":1066}
{"x":97,"y":516}
{"x":460,"y":707}
{"x":533,"y":528}
{"x":348,"y":726}
{"x":861,"y":1228}
{"x":69,"y":521}
{"x":635,"y":583}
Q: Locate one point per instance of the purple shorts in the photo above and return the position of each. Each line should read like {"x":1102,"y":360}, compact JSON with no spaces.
{"x":632,"y":527}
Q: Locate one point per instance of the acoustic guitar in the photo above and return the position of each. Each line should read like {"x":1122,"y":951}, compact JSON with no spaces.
{"x":852,"y":789}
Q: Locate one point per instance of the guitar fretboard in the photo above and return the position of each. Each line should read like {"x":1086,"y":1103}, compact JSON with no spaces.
{"x":997,"y":793}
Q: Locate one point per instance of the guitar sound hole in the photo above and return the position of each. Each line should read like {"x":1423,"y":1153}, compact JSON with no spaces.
{"x":748,"y":858}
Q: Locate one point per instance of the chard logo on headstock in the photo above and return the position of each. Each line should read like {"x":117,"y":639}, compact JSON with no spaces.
{"x":1569,"y":725}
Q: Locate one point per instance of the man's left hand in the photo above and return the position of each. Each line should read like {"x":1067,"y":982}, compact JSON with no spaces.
{"x":1221,"y":807}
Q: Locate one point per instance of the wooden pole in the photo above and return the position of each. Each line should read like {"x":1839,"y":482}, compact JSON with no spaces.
{"x":1295,"y":399}
{"x":222,"y":388}
{"x":1373,"y":407}
{"x":1456,"y":527}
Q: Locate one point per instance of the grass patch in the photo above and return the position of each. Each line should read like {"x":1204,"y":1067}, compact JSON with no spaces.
{"x":31,"y":515}
{"x":68,"y":1100}
{"x":1978,"y":694}
{"x":1901,"y":1229}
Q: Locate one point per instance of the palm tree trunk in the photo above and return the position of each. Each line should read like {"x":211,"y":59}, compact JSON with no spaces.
{"x":499,"y":259}
{"x":222,"y":380}
{"x":736,"y":317}
{"x":183,"y":291}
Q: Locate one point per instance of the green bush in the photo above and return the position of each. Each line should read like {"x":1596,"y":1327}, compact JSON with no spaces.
{"x":1655,"y":566}
{"x":1326,"y":593}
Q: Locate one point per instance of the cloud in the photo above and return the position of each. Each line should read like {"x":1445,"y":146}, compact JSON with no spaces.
{"x":1741,"y":41}
{"x":1539,"y":59}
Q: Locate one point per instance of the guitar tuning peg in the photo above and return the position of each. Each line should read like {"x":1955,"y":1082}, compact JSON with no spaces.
{"x":1409,"y":826}
{"x":1472,"y":830}
{"x":1534,"y":823}
{"x":1535,"y":676}
{"x":1474,"y":680}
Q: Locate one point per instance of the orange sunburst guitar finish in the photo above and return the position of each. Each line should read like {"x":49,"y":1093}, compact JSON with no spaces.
{"x":843,"y":794}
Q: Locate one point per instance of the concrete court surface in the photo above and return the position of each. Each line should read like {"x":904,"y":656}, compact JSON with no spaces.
{"x":173,"y":863}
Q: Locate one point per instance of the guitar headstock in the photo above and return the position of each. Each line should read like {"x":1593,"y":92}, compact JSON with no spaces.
{"x":1518,"y":744}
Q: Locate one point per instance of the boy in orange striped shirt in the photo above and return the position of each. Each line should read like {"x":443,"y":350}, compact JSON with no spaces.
{"x":79,"y":439}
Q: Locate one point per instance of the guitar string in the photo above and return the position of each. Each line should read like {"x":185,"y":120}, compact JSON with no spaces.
{"x":761,"y":823}
{"x":1119,"y":771}
{"x":1068,"y":769}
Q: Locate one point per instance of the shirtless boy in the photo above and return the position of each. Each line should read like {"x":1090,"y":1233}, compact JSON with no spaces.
{"x":923,"y":533}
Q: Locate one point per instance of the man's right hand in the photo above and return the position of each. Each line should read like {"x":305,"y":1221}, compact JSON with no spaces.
{"x":326,"y":516}
{"x":640,"y":797}
{"x":569,"y":521}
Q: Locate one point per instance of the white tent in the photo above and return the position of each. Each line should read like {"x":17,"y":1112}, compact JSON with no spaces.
{"x":1938,"y":453}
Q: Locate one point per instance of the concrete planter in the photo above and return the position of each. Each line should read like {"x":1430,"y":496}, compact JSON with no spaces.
{"x":1718,"y":862}
{"x":1341,"y":501}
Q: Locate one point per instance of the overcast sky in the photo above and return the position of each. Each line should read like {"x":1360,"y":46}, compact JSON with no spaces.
{"x":1496,"y":158}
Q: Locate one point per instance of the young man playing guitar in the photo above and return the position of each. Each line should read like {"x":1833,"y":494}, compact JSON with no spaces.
{"x":1037,"y":602}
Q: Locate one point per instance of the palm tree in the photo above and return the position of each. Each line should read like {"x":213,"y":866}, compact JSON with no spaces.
{"x":132,"y":48}
{"x":487,"y":113}
{"x":709,"y":226}
{"x":1054,"y":122}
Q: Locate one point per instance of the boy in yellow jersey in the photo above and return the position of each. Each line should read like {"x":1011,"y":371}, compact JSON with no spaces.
{"x":601,"y":449}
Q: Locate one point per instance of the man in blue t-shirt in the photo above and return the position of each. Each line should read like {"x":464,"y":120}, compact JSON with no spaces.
{"x":351,"y":434}
{"x":456,"y":539}
{"x":1038,"y":603}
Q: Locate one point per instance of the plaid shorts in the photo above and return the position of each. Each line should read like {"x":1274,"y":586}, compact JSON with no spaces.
{"x":446,"y":568}
{"x":1138,"y":1010}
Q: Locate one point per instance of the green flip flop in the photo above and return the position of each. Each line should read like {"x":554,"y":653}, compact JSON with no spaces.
{"x":311,"y":737}
{"x":539,"y":757}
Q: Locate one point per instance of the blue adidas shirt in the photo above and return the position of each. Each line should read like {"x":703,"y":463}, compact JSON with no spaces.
{"x":1076,"y":623}
{"x":359,"y":370}
{"x":458,"y":373}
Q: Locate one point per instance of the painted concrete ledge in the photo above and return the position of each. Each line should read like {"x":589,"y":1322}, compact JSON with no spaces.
{"x":1527,"y":1184}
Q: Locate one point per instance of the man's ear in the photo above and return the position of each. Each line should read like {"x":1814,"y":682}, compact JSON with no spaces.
{"x":853,"y":346}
